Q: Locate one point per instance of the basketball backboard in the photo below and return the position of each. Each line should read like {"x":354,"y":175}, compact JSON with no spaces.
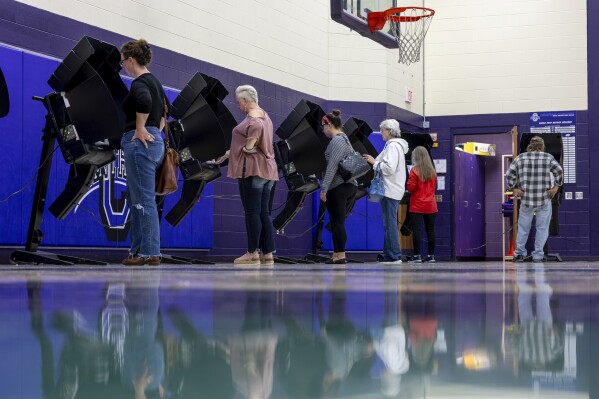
{"x":354,"y":15}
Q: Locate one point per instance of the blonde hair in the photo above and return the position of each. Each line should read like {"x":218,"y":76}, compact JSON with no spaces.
{"x":422,"y":160}
{"x":248,"y":93}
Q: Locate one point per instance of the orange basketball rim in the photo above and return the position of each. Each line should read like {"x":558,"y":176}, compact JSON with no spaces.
{"x":408,"y":25}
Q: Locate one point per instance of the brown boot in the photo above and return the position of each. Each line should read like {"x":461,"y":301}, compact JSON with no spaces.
{"x":133,"y":260}
{"x":136,"y":260}
{"x":153,"y":260}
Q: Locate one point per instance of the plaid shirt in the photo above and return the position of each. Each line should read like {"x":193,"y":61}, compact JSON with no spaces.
{"x":540,"y":345}
{"x":531,"y":172}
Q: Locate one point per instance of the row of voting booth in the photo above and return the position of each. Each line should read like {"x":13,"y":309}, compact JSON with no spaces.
{"x":84,"y":116}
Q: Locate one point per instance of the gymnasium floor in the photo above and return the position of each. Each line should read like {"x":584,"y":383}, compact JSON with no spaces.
{"x":358,"y":331}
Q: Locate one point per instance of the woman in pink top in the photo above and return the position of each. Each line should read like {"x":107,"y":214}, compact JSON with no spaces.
{"x":252,"y":163}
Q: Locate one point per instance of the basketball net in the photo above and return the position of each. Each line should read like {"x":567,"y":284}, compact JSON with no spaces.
{"x":408,"y":25}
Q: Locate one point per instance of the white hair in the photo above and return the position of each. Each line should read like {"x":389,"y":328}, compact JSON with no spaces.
{"x":248,"y":93}
{"x":393,"y":127}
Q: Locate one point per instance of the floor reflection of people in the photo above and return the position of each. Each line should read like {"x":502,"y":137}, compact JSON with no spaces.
{"x":202,"y":369}
{"x":421,"y":323}
{"x":111,"y":362}
{"x":540,"y":341}
{"x":252,"y":350}
{"x":86,"y":366}
{"x":143,"y":362}
{"x":302,"y":360}
{"x":390,"y":345}
{"x":345,"y":347}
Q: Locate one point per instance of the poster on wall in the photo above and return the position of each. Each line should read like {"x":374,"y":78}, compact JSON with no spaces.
{"x":563,"y":122}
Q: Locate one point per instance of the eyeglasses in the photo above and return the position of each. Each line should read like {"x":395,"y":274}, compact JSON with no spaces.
{"x":121,"y":62}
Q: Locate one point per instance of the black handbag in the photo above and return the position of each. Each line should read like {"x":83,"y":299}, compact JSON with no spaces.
{"x":352,"y":166}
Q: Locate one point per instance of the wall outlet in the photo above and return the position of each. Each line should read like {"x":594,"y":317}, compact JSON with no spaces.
{"x":439,"y":198}
{"x":568,"y":195}
{"x":578,"y":195}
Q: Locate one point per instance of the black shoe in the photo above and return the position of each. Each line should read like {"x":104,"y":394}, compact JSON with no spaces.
{"x":336,"y":261}
{"x":518,"y":258}
{"x":431,"y":259}
{"x":380,"y":258}
{"x":416,"y":259}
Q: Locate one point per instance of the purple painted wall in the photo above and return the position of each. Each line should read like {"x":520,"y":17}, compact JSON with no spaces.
{"x":30,"y":28}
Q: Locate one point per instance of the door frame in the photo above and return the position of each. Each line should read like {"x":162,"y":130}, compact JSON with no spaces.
{"x":482,"y":131}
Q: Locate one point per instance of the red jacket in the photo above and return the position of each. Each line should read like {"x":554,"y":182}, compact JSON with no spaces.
{"x":423,"y":193}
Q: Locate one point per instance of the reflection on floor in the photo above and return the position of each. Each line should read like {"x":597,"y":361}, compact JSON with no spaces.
{"x":358,"y":331}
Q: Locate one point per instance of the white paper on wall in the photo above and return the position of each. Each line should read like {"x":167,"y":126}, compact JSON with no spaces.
{"x":440,"y":183}
{"x":440,"y":165}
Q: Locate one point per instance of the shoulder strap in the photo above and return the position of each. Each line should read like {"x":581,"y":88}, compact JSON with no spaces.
{"x":165,"y":115}
{"x":348,"y":142}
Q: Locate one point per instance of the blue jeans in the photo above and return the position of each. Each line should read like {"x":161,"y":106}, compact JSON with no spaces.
{"x":525,"y":214}
{"x":141,"y":164}
{"x":143,"y":351}
{"x":542,"y":292}
{"x":255,"y":196}
{"x":391,"y":249}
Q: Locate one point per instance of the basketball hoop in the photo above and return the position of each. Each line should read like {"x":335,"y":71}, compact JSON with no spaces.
{"x":408,"y":25}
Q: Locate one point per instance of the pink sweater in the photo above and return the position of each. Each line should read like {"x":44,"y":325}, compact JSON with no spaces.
{"x":262,"y":162}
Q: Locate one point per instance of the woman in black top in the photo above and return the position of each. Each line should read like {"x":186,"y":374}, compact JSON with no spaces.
{"x":144,"y":149}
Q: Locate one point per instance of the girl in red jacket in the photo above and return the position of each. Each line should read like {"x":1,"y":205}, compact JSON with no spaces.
{"x":422,"y":183}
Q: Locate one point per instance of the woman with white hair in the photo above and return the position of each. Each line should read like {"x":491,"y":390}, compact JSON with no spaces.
{"x":392,"y":164}
{"x":252,"y":163}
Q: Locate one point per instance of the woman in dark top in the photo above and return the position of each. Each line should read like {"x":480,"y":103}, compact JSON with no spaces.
{"x":144,"y":149}
{"x":335,"y":192}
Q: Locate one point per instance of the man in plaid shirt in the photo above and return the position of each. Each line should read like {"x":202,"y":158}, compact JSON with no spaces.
{"x":529,"y":176}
